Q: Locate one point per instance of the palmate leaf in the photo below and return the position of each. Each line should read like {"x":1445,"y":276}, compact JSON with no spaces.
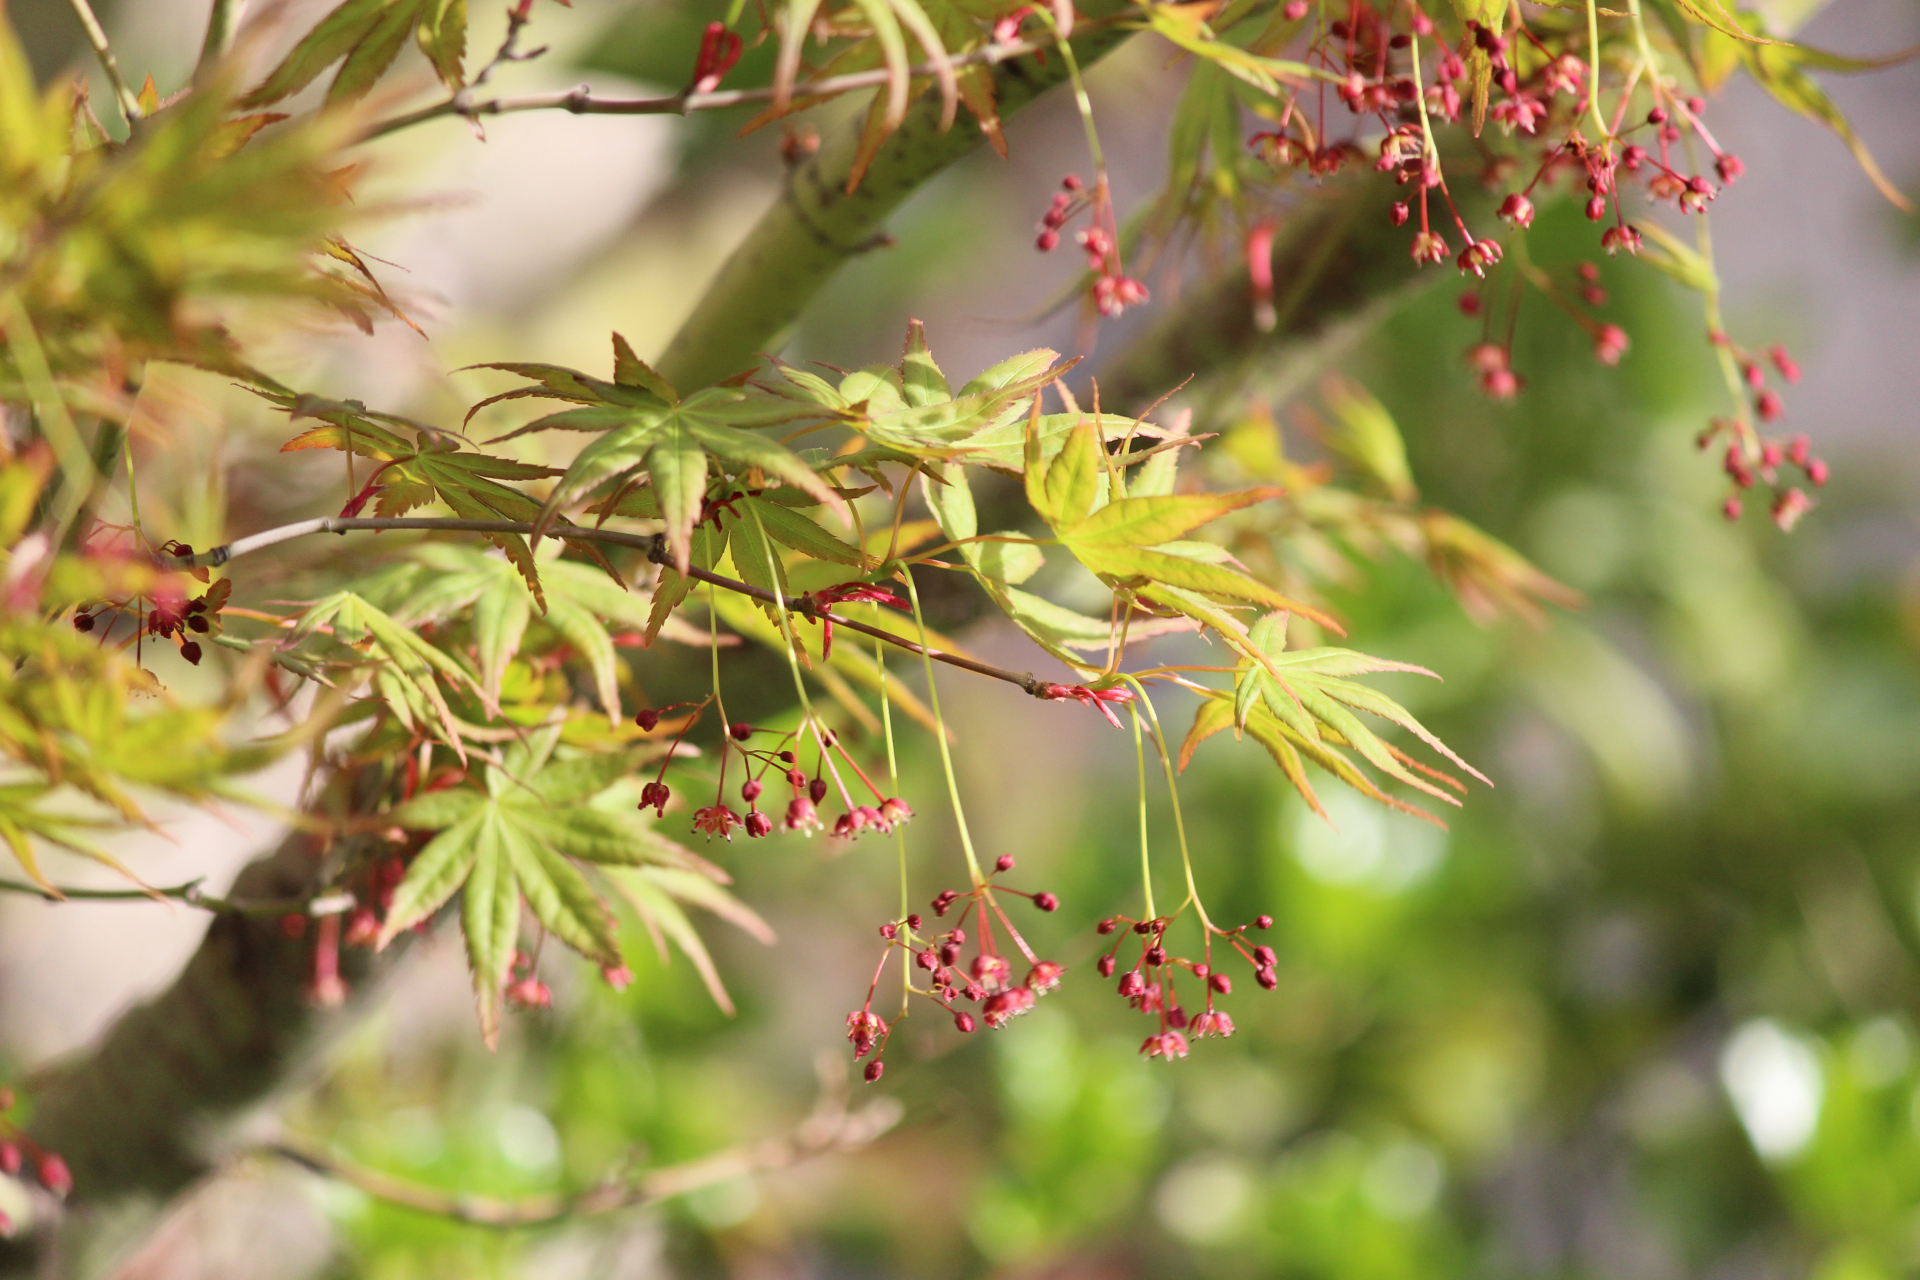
{"x":430,"y":468}
{"x":1309,"y":699}
{"x":365,"y":36}
{"x":519,"y":837}
{"x":409,"y":669}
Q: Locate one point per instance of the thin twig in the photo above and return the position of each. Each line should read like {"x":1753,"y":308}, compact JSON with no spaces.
{"x":188,"y":893}
{"x":831,"y":1129}
{"x":655,"y":545}
{"x":122,"y":92}
{"x":582,"y":102}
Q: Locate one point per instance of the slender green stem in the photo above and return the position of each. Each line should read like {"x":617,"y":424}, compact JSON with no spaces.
{"x":780,"y":615}
{"x":1146,"y":862}
{"x":123,"y":94}
{"x":1593,"y":69}
{"x":1173,"y":794}
{"x":940,"y":732}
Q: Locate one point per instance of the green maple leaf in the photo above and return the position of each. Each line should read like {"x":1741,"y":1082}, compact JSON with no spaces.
{"x":365,"y":36}
{"x":520,"y":836}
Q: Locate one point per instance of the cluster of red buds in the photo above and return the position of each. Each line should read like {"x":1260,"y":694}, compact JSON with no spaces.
{"x":166,"y":612}
{"x":1749,"y":456}
{"x":1113,"y":290}
{"x":1101,"y":700}
{"x":16,"y":1148}
{"x":1148,"y":985}
{"x":986,"y":980}
{"x":808,"y":793}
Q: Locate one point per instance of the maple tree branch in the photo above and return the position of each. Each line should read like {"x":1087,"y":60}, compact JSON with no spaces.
{"x":654,"y":544}
{"x":190,"y":893}
{"x":830,"y":1129}
{"x":581,"y":101}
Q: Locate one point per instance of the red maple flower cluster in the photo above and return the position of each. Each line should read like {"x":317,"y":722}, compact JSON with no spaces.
{"x":1149,"y":984}
{"x":986,"y":980}
{"x":1749,"y":456}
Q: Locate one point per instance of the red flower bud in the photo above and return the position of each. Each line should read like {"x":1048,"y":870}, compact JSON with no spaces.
{"x":1731,"y":508}
{"x":1264,"y":958}
{"x":54,"y":1175}
{"x":1104,"y":966}
{"x":750,"y":790}
{"x":647,"y":719}
{"x":1047,"y":241}
{"x":1003,"y":863}
{"x":1046,"y":902}
{"x":963,"y":1020}
{"x":1783,"y":362}
{"x":817,"y":790}
{"x":1132,"y":984}
{"x":874,"y":1071}
{"x":1399,"y":214}
{"x":1768,"y":406}
{"x":1518,"y":210}
{"x":1266,"y":978}
{"x":1596,"y":208}
{"x":740,"y":730}
{"x":1263,"y":922}
{"x":1221,"y":983}
{"x":759,"y":824}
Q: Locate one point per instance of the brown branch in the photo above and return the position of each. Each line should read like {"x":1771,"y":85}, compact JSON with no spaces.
{"x":655,"y":545}
{"x":190,"y":894}
{"x":582,"y":102}
{"x":829,"y":1130}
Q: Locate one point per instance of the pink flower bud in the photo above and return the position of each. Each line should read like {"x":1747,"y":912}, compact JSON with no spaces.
{"x":1732,"y":508}
{"x":1003,"y":863}
{"x":758,"y":824}
{"x":1817,"y":471}
{"x":1104,"y":966}
{"x":963,"y":1021}
{"x":1518,"y":210}
{"x":1610,"y":344}
{"x":1596,"y":208}
{"x":1072,"y":182}
{"x":1768,"y":406}
{"x":1132,"y":984}
{"x":1789,"y":507}
{"x":1399,"y":214}
{"x":1729,"y":167}
{"x":1046,"y":902}
{"x":874,"y":1071}
{"x":1044,"y":977}
{"x":1798,"y":450}
{"x":750,"y":790}
{"x":801,"y":815}
{"x":1657,"y":116}
{"x":9,"y":1158}
{"x":1266,"y":978}
{"x":1295,"y":10}
{"x":1047,"y":241}
{"x":1156,"y":955}
{"x":54,"y":1175}
{"x":1221,"y":983}
{"x":1264,"y":958}
{"x":617,"y":976}
{"x":1263,"y":922}
{"x":1002,"y":1007}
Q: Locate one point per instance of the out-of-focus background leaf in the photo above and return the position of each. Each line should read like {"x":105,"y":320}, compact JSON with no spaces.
{"x":1647,"y":1009}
